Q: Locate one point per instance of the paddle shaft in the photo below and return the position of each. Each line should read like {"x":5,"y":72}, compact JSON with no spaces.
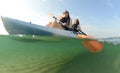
{"x":79,"y":32}
{"x":57,"y":19}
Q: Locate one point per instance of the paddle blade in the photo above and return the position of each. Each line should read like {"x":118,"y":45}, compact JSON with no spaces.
{"x":93,"y":46}
{"x":81,"y":36}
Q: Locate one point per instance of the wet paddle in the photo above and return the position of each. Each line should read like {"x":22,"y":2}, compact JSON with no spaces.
{"x":92,"y":45}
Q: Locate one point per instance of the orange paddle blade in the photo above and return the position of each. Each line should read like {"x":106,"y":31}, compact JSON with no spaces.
{"x":93,"y":46}
{"x":81,"y":36}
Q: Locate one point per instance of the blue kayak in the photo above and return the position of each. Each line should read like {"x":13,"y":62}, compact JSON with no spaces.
{"x":18,"y":27}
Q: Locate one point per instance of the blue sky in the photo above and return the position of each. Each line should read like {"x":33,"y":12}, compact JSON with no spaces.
{"x":99,"y":18}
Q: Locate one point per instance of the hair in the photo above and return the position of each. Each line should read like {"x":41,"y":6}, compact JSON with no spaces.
{"x":77,"y":21}
{"x":67,"y":13}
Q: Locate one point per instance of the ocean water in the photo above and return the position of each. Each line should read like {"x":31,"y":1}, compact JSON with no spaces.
{"x":35,"y":54}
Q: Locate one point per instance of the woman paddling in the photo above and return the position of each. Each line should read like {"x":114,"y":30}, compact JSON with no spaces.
{"x":76,"y":27}
{"x":66,"y":22}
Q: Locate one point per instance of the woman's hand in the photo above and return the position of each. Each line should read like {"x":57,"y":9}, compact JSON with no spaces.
{"x":60,"y":17}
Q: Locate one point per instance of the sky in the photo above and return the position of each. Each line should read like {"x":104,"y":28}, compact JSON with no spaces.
{"x":99,"y":18}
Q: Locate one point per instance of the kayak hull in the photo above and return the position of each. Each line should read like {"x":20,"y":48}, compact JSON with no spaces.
{"x":17,"y":27}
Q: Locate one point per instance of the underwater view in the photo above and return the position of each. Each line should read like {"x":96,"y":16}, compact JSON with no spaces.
{"x":35,"y":54}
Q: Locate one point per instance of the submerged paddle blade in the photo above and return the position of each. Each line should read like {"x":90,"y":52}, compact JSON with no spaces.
{"x":93,"y":46}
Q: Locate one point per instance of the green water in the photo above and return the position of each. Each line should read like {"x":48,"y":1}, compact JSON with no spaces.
{"x":55,"y":55}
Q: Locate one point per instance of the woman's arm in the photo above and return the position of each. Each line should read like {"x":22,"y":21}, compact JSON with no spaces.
{"x":70,"y":23}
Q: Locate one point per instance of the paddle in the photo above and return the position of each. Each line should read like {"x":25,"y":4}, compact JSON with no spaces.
{"x":91,"y":44}
{"x":50,"y":14}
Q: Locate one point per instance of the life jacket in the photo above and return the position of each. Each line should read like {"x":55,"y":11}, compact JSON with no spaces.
{"x":67,"y":21}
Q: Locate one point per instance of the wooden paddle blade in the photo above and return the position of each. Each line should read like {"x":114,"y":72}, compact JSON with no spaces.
{"x":93,"y":46}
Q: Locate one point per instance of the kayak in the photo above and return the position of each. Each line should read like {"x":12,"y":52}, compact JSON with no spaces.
{"x":18,"y":27}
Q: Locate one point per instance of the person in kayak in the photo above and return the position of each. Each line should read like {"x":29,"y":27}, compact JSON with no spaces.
{"x":76,"y":27}
{"x":66,"y":22}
